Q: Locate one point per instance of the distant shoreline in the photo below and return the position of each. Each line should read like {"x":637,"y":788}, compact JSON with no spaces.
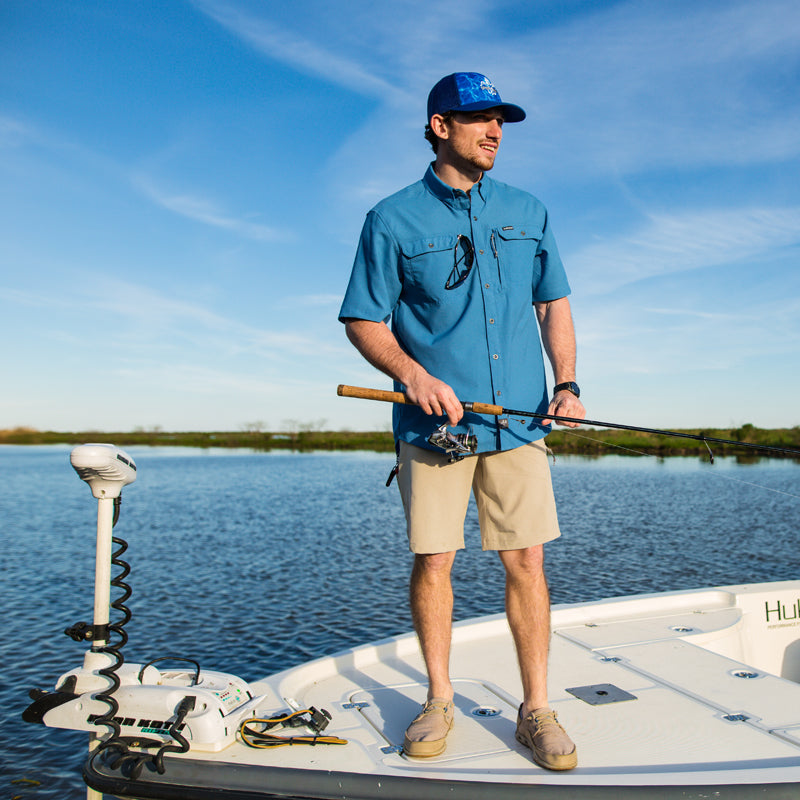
{"x":582,"y":441}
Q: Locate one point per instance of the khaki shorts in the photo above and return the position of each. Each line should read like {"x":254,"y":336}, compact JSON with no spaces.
{"x":512,"y":489}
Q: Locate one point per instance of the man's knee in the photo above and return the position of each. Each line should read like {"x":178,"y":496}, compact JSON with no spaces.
{"x":433,"y":565}
{"x":527,"y":561}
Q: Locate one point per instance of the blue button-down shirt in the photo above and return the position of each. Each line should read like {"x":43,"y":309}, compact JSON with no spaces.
{"x":481,"y":337}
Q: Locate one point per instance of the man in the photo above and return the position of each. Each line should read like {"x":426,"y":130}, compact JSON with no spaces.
{"x":465,"y":266}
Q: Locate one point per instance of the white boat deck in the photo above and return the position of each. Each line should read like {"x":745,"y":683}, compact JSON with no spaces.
{"x":697,"y":691}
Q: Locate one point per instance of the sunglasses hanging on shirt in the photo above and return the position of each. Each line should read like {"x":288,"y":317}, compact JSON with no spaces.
{"x":463,"y":259}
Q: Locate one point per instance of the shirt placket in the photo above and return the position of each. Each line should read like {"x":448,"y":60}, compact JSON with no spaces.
{"x":491,"y":287}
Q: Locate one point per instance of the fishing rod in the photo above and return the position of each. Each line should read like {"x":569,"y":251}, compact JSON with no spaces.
{"x":493,"y":410}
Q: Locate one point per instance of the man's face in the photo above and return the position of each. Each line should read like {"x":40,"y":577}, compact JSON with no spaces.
{"x":473,"y":137}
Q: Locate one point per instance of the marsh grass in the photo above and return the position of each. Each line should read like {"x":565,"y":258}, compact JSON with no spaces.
{"x":582,"y":441}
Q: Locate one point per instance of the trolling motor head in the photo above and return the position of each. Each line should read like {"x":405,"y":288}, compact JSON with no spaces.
{"x":104,"y":467}
{"x":456,"y":445}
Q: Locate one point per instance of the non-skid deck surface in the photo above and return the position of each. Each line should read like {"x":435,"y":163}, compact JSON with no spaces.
{"x":691,"y":710}
{"x":686,"y":716}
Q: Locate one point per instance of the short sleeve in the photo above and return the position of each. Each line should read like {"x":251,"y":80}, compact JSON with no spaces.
{"x":375,"y":281}
{"x":550,"y":277}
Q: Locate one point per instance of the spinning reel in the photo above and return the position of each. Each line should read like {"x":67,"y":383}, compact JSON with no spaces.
{"x":456,"y":445}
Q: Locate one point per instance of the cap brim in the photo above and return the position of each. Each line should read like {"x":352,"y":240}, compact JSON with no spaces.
{"x":511,"y":113}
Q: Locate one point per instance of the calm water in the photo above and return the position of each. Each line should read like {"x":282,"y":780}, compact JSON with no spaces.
{"x":253,"y":562}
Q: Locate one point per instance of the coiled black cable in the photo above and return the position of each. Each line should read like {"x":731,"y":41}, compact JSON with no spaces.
{"x":114,"y":648}
{"x":116,"y":747}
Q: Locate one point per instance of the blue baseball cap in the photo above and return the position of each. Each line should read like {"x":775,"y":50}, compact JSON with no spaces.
{"x":469,"y":91}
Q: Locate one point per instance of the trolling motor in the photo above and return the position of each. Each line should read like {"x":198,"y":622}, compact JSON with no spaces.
{"x":133,"y":705}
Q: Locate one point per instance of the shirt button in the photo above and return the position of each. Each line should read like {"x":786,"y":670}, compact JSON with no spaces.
{"x":480,"y":251}
{"x":495,"y":356}
{"x":475,"y":218}
{"x":486,"y":285}
{"x":499,"y":394}
{"x":491,"y":322}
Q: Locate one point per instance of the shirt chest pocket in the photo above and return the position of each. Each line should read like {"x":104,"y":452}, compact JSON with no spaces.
{"x":516,"y":249}
{"x":427,"y":266}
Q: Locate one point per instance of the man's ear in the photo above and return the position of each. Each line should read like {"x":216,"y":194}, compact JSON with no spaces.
{"x":438,"y":126}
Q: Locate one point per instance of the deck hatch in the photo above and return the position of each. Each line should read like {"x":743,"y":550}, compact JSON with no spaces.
{"x":600,"y":694}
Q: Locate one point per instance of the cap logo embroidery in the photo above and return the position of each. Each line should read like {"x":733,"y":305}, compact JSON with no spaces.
{"x":487,"y":87}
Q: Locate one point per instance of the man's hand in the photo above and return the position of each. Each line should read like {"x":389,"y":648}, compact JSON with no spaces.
{"x":434,"y":397}
{"x":565,"y":404}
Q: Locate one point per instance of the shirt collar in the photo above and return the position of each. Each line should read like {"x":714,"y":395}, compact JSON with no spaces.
{"x":455,"y":198}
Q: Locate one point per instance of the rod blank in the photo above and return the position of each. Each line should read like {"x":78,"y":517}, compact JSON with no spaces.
{"x":492,"y":410}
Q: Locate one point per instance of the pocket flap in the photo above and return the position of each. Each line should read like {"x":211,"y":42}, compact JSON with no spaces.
{"x":516,"y":232}
{"x":431,"y":244}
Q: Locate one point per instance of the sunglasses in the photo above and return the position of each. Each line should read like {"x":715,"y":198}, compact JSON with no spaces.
{"x":463,"y":259}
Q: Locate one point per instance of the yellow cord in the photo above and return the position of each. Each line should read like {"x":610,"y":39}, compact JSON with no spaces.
{"x":264,"y":740}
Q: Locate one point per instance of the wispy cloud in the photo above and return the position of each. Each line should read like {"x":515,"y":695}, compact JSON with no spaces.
{"x":156,"y":316}
{"x":207,"y":212}
{"x":198,"y":378}
{"x":688,"y":241}
{"x":138,"y":316}
{"x":14,"y":132}
{"x":390,"y":54}
{"x":663,"y":83}
{"x":301,"y":52}
{"x":31,"y":299}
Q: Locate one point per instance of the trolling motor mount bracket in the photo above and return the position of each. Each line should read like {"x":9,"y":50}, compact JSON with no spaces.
{"x":84,"y":632}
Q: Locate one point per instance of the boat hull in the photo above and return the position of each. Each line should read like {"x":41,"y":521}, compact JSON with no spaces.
{"x":212,"y":781}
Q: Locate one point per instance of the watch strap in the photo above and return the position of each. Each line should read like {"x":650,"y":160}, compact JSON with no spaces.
{"x":569,"y":386}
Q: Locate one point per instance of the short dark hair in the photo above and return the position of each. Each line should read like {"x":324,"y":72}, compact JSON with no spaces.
{"x":447,"y":118}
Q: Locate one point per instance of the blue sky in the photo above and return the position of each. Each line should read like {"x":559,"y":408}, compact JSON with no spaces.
{"x":182,"y":185}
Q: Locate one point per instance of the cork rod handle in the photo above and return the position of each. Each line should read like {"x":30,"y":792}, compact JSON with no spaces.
{"x":399,"y":397}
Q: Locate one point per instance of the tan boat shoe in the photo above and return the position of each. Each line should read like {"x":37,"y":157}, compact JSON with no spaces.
{"x":551,"y":746}
{"x":426,"y":736}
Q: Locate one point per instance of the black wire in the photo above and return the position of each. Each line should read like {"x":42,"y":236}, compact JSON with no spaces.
{"x":184,"y":707}
{"x":195,"y":677}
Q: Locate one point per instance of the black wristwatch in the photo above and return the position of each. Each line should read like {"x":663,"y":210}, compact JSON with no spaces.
{"x":569,"y":386}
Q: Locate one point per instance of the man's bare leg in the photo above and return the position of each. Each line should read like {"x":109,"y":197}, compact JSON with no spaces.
{"x":528,"y":612}
{"x":431,"y":596}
